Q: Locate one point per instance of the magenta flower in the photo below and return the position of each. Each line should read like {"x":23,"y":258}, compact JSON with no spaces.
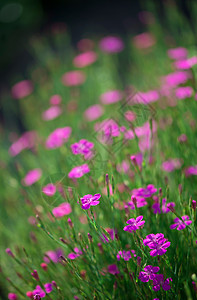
{"x":79,"y":171}
{"x":48,"y":287}
{"x":73,"y":78}
{"x":85,"y":59}
{"x":148,"y":273}
{"x":111,"y":97}
{"x":55,"y":100}
{"x":26,"y":141}
{"x":93,"y":112}
{"x":157,"y":243}
{"x":180,"y":225}
{"x":158,"y":282}
{"x":144,"y":192}
{"x":183,"y":92}
{"x":144,"y":40}
{"x":134,"y":224}
{"x":126,"y":255}
{"x":39,"y":291}
{"x":89,"y":200}
{"x":51,"y":113}
{"x":111,"y":232}
{"x":82,"y":147}
{"x":12,"y":296}
{"x":58,"y":137}
{"x":53,"y":256}
{"x":171,"y":165}
{"x":22,"y":89}
{"x":62,"y":210}
{"x":176,"y":78}
{"x":32,"y":177}
{"x":75,"y":254}
{"x":111,"y":44}
{"x":186,"y":63}
{"x":177,"y":53}
{"x":113,"y":269}
{"x":49,"y":189}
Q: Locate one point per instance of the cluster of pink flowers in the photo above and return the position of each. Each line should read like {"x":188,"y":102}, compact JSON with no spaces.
{"x":157,"y":243}
{"x":83,"y":147}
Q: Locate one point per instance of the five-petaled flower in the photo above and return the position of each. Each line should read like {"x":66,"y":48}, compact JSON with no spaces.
{"x":157,"y":243}
{"x":159,"y":282}
{"x":90,"y":200}
{"x":134,"y":224}
{"x":181,"y":224}
{"x":148,"y":273}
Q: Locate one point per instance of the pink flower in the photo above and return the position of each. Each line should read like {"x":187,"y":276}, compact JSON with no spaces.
{"x":176,"y":78}
{"x":55,"y":100}
{"x":186,"y":64}
{"x":73,"y":78}
{"x":62,"y":210}
{"x":191,"y":171}
{"x":171,"y":165}
{"x":32,"y":177}
{"x":183,"y":92}
{"x":75,"y":254}
{"x":53,"y":256}
{"x":85,"y":45}
{"x":85,"y":59}
{"x":158,"y":282}
{"x":181,"y":224}
{"x":111,"y":44}
{"x":39,"y":291}
{"x":83,"y":147}
{"x":113,"y":269}
{"x":22,"y":89}
{"x":26,"y":141}
{"x":144,"y":40}
{"x":12,"y":296}
{"x":49,"y":189}
{"x":48,"y":287}
{"x":93,"y":112}
{"x":130,"y":116}
{"x":58,"y":137}
{"x":111,"y":97}
{"x":51,"y":113}
{"x":134,"y":224}
{"x":145,"y":97}
{"x":79,"y":171}
{"x":137,"y":159}
{"x":157,"y":243}
{"x":178,"y":53}
{"x":89,"y":200}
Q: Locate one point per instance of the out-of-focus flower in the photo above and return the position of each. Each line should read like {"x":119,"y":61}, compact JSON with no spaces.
{"x":182,"y":138}
{"x":144,"y":40}
{"x":26,"y":141}
{"x":58,"y":137}
{"x":12,"y":296}
{"x":113,"y":269}
{"x":181,"y":224}
{"x":73,"y":78}
{"x":144,"y":192}
{"x":171,"y":165}
{"x":62,"y":210}
{"x":112,"y":96}
{"x":90,"y":200}
{"x":176,"y":78}
{"x":79,"y":171}
{"x":22,"y":89}
{"x":126,"y":255}
{"x":183,"y":92}
{"x":53,"y":256}
{"x":32,"y":177}
{"x":111,"y":44}
{"x":75,"y":254}
{"x":85,"y":45}
{"x":39,"y":291}
{"x":51,"y":113}
{"x":186,"y":64}
{"x":83,"y":147}
{"x":178,"y":53}
{"x":93,"y":112}
{"x":192,"y":170}
{"x":158,"y":282}
{"x":85,"y":59}
{"x":55,"y":100}
{"x":48,"y":287}
{"x":49,"y":189}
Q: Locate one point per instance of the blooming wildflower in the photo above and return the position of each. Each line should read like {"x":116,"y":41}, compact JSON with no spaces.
{"x":111,"y":44}
{"x":157,"y":242}
{"x":183,"y":92}
{"x":177,"y":53}
{"x":9,"y":252}
{"x":111,"y":232}
{"x":26,"y":141}
{"x":44,"y":266}
{"x":123,"y":167}
{"x":22,"y":89}
{"x":192,"y":170}
{"x":148,"y":273}
{"x":144,"y":192}
{"x":55,"y":100}
{"x":89,"y":200}
{"x":166,"y":208}
{"x":51,"y":113}
{"x":126,"y":255}
{"x":93,"y":112}
{"x":158,"y":282}
{"x":130,"y":116}
{"x":77,"y":253}
{"x":32,"y":177}
{"x":48,"y":287}
{"x":73,"y":78}
{"x":134,"y":224}
{"x":53,"y":256}
{"x":30,"y":295}
{"x":39,"y":291}
{"x":137,"y":201}
{"x":49,"y":189}
{"x":144,"y":40}
{"x":171,"y":165}
{"x":108,"y":130}
{"x":186,"y":63}
{"x":145,"y":98}
{"x":176,"y":78}
{"x":182,"y":138}
{"x":62,"y":210}
{"x":58,"y":137}
{"x":79,"y":171}
{"x":82,"y":147}
{"x":113,"y":269}
{"x":181,"y":224}
{"x":111,"y":97}
{"x":85,"y":59}
{"x":137,"y":158}
{"x":12,"y":296}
